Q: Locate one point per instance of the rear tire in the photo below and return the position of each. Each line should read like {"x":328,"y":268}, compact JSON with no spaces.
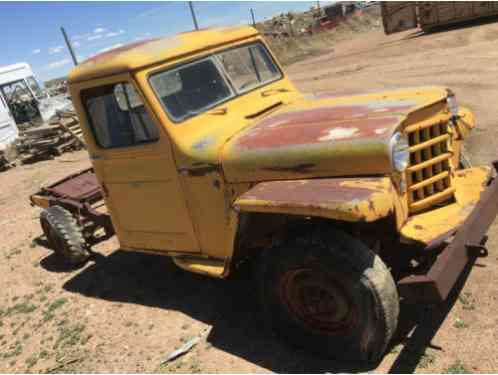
{"x":328,"y":293}
{"x":64,"y":235}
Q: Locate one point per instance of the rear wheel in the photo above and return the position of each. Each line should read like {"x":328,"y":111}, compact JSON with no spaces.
{"x":332,"y":296}
{"x":64,"y":235}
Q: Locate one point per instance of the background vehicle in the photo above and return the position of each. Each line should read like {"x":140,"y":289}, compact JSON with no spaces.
{"x":8,"y":133}
{"x":24,"y":96}
{"x":206,"y":152}
{"x":21,"y":91}
{"x":404,"y":15}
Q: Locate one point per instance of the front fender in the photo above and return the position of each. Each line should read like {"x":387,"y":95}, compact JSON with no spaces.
{"x":347,"y":199}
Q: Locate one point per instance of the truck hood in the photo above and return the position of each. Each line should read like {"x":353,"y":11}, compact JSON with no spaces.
{"x":324,"y":135}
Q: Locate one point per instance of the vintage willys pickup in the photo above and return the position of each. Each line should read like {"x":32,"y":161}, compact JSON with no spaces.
{"x":205,"y":151}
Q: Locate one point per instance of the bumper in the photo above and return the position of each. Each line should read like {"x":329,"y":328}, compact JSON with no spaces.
{"x":436,"y":284}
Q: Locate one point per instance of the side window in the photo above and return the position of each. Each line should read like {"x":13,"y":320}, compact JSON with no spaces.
{"x":118,"y":117}
{"x":35,"y":87}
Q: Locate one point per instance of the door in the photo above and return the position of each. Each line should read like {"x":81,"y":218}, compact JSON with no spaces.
{"x":398,"y":16}
{"x":132,"y":157}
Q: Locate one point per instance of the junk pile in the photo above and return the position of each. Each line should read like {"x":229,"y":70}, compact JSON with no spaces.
{"x":61,"y":134}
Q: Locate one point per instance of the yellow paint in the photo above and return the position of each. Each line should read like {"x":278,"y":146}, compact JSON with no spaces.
{"x":430,"y":225}
{"x":141,"y":182}
{"x":466,"y":122}
{"x":40,"y":201}
{"x":158,"y":51}
{"x":208,"y":267}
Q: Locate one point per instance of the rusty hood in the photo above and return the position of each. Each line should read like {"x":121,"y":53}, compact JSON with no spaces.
{"x":323,"y":135}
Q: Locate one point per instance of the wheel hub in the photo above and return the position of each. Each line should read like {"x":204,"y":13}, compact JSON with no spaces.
{"x":318,"y":301}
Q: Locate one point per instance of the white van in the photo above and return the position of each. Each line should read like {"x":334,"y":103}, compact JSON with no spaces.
{"x":21,"y":92}
{"x":24,"y":96}
{"x":8,"y":132}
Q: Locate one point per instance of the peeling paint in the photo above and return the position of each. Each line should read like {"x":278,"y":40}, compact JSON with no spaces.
{"x":339,"y":133}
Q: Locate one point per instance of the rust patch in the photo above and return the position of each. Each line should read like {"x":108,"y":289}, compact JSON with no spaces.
{"x":349,"y":199}
{"x":78,"y":187}
{"x":312,"y":191}
{"x":299,"y":128}
{"x":373,"y":119}
{"x":116,"y":51}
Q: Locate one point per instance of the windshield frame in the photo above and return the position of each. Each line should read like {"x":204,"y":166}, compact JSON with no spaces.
{"x":226,"y":77}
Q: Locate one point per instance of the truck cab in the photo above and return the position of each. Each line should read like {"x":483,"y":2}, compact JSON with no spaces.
{"x":206,"y":152}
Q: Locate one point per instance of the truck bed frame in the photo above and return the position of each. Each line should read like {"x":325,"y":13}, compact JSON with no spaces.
{"x":79,"y":193}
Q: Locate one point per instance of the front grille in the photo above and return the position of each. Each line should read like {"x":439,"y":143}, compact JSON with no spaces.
{"x":429,"y":174}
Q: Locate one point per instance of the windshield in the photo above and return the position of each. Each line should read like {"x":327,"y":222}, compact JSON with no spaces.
{"x":193,"y":88}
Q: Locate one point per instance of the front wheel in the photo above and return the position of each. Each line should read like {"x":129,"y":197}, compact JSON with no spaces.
{"x":331,"y":295}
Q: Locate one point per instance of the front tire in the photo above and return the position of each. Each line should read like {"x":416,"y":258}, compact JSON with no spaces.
{"x":330,"y":294}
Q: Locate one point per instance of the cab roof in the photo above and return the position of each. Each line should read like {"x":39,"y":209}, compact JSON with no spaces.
{"x":148,"y":52}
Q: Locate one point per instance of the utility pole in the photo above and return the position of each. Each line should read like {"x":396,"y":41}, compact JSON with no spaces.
{"x":253,"y":20}
{"x":193,"y":15}
{"x":69,"y":46}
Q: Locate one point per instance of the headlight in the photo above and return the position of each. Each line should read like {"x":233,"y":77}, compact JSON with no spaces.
{"x":400,"y":154}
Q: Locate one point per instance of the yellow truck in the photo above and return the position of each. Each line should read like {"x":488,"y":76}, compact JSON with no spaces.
{"x":204,"y":150}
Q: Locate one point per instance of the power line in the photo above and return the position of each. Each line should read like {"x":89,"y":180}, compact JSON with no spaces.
{"x":69,"y":46}
{"x":193,"y":15}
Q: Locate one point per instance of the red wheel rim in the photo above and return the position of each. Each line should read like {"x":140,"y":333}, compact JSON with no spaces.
{"x":318,"y":301}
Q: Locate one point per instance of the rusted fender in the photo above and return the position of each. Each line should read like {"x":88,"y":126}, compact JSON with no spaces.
{"x":347,"y":199}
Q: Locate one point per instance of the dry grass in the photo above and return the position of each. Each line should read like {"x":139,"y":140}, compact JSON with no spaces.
{"x":292,"y":49}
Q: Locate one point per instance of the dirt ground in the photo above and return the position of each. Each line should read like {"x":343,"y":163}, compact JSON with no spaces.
{"x":125,"y":312}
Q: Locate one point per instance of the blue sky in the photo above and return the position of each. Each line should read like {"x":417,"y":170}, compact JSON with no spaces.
{"x":31,"y":30}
